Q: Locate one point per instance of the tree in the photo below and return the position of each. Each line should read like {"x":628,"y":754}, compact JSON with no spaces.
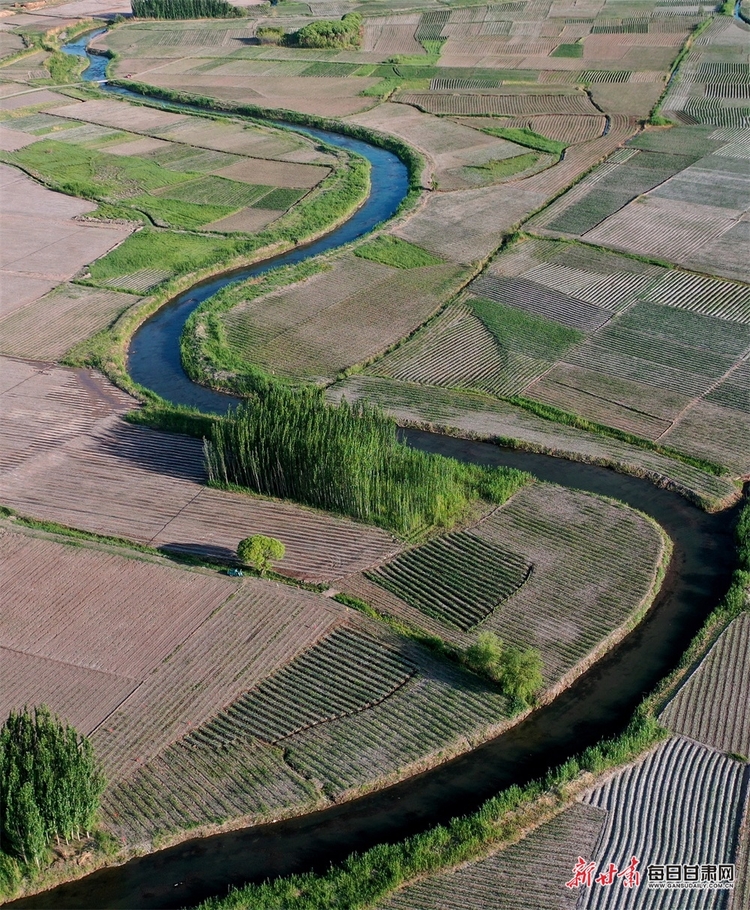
{"x":518,"y":671}
{"x":50,"y":783}
{"x":259,"y":551}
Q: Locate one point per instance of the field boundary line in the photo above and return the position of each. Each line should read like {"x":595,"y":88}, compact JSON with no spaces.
{"x":695,"y":401}
{"x":176,"y":516}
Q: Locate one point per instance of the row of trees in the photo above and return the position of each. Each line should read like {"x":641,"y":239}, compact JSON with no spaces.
{"x":50,"y":784}
{"x":345,"y":458}
{"x":185,"y":9}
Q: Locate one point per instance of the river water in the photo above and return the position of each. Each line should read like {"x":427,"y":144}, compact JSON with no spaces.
{"x":598,"y":704}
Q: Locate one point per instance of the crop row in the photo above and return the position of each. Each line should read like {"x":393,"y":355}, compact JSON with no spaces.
{"x":431,"y":25}
{"x":142,"y":280}
{"x":734,"y":391}
{"x":340,"y":675}
{"x":614,"y":292}
{"x":435,"y":103}
{"x":437,"y":709}
{"x":458,"y":578}
{"x":457,"y":351}
{"x":254,"y":634}
{"x":217,"y":191}
{"x":179,"y":157}
{"x":706,"y":707}
{"x":660,"y":227}
{"x":535,"y":298}
{"x":531,"y":873}
{"x":189,"y":785}
{"x":696,"y":789}
{"x":678,"y":326}
{"x":703,"y":295}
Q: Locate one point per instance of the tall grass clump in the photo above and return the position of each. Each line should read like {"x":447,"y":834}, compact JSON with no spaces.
{"x":347,"y":459}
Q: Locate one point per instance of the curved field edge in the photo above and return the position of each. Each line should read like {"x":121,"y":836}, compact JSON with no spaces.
{"x":363,"y":880}
{"x":107,"y":350}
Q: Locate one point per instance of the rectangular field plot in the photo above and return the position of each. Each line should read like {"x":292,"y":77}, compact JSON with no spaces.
{"x":501,"y":881}
{"x":713,"y":706}
{"x":85,"y":601}
{"x":459,"y":579}
{"x":664,"y":347}
{"x":699,"y":790}
{"x":47,"y":328}
{"x":82,"y":697}
{"x":708,"y":430}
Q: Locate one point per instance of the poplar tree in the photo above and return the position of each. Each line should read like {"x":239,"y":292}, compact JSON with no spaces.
{"x":50,"y":784}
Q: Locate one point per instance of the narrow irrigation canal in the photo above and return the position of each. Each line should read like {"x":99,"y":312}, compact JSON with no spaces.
{"x":598,"y":704}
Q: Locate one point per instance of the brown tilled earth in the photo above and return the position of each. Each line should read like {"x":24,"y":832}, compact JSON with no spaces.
{"x":67,"y":456}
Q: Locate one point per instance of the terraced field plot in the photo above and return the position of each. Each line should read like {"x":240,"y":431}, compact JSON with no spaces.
{"x":458,"y":579}
{"x":572,"y":598}
{"x":713,"y":706}
{"x":698,"y":789}
{"x":502,"y":880}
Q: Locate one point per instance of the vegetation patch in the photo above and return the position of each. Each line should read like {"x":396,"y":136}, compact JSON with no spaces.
{"x":185,"y":9}
{"x":568,"y":50}
{"x":325,"y":33}
{"x":528,"y":138}
{"x":501,"y":168}
{"x":396,"y":252}
{"x":459,"y":579}
{"x":527,"y":333}
{"x":346,"y":459}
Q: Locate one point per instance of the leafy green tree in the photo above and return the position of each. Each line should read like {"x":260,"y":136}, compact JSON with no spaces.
{"x":521,"y":675}
{"x":260,"y":551}
{"x":486,"y":655}
{"x":50,"y":784}
{"x":517,"y":670}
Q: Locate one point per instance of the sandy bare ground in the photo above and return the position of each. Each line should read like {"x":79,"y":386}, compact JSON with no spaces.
{"x":67,"y":456}
{"x":42,"y":242}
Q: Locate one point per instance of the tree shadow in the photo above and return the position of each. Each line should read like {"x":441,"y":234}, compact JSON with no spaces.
{"x":152,"y":450}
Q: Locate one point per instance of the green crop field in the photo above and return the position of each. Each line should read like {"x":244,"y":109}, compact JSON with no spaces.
{"x":396,"y":252}
{"x":459,"y":579}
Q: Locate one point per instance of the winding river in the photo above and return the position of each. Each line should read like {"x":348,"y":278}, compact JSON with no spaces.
{"x":598,"y":704}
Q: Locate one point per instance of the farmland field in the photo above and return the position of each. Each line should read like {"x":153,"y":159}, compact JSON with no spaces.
{"x":503,"y":880}
{"x":584,"y":595}
{"x":308,"y":329}
{"x":384,"y":706}
{"x":712,"y":706}
{"x":697,"y":788}
{"x":566,"y":275}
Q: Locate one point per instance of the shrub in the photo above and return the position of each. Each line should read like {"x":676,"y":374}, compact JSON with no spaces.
{"x":347,"y":32}
{"x":518,"y":671}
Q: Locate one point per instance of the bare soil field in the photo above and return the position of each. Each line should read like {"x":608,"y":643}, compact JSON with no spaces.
{"x":69,"y":458}
{"x":83,"y":697}
{"x":254,"y":634}
{"x":502,"y":880}
{"x":43,"y":243}
{"x":50,"y":326}
{"x":584,"y":581}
